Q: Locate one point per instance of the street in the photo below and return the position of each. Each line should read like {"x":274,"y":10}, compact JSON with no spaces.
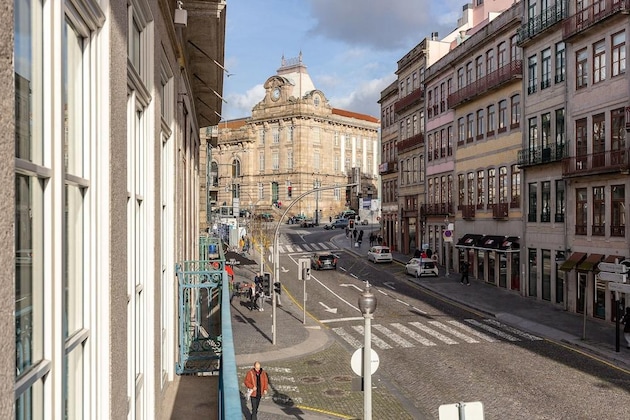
{"x":433,"y":351}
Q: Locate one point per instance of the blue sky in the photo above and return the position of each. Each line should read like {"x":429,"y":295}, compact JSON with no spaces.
{"x":350,"y":47}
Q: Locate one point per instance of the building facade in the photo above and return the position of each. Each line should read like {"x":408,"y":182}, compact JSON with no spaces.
{"x":101,"y":189}
{"x":293,"y":143}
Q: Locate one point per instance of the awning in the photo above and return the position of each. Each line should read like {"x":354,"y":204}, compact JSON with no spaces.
{"x":239,"y":259}
{"x":469,"y":240}
{"x":572,"y":261}
{"x":591,"y":262}
{"x":490,"y":242}
{"x":511,"y":243}
{"x":611,"y":258}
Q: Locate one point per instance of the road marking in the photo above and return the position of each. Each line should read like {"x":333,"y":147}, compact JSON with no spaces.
{"x":404,"y":303}
{"x":288,"y":247}
{"x":351,"y":285}
{"x":418,"y":310}
{"x":390,"y":284}
{"x":492,"y":330}
{"x":382,"y":292}
{"x":472,"y":331}
{"x":314,"y":246}
{"x":435,"y":334}
{"x":328,"y":308}
{"x":351,"y":318}
{"x":306,"y":247}
{"x":349,"y":339}
{"x":323,"y":245}
{"x":513,"y":330}
{"x":454,"y":332}
{"x":420,"y":339}
{"x":376,"y":340}
{"x":394,"y":337}
{"x":280,"y":249}
{"x":354,"y":275}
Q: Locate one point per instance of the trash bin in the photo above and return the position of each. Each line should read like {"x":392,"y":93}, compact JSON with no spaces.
{"x":356,"y":244}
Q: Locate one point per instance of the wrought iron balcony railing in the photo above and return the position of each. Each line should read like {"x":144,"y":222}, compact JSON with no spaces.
{"x":500,"y":210}
{"x":412,"y":99}
{"x":546,"y":19}
{"x":493,"y":80}
{"x":436,"y":209}
{"x":410,"y":142}
{"x":593,"y":14}
{"x":542,"y":154}
{"x":468,"y":211}
{"x":596,"y":163}
{"x":388,"y":167}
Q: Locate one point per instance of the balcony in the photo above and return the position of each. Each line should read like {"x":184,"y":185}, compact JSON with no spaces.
{"x":437,"y":209}
{"x":410,"y":143}
{"x":408,"y":101}
{"x":500,"y":211}
{"x":388,"y":167}
{"x":538,"y":24}
{"x":542,"y":154}
{"x":493,"y":80}
{"x":593,"y":14}
{"x":468,"y":211}
{"x":609,"y":161}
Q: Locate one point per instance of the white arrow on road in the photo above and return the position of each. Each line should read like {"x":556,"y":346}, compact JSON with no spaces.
{"x":351,"y":285}
{"x":390,"y":284}
{"x":284,"y":270}
{"x":328,"y":308}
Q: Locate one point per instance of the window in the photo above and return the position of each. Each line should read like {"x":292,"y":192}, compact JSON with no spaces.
{"x":316,"y":135}
{"x":461,"y":131}
{"x":480,"y":127}
{"x":460,"y":190}
{"x":470,"y":199}
{"x":316,"y":161}
{"x":545,"y":131}
{"x":336,"y":139}
{"x":490,"y":61}
{"x":545,"y":81}
{"x":561,"y":63}
{"x":516,"y":187}
{"x":532,"y":202}
{"x":560,"y":134}
{"x":480,"y":189}
{"x":430,"y":146}
{"x":491,"y":119}
{"x":261,"y":161}
{"x":449,"y":134}
{"x":275,"y":161}
{"x":618,"y":211}
{"x":581,"y":143}
{"x":599,"y":140}
{"x":502,"y":116}
{"x":261,"y":136}
{"x":492,"y":176}
{"x":479,"y":68}
{"x":599,"y":62}
{"x":515,"y":51}
{"x":618,"y":54}
{"x":581,"y":213}
{"x":532,"y":74}
{"x":532,"y":137}
{"x":533,"y":272}
{"x":470,"y":127}
{"x":560,"y":201}
{"x":545,"y":201}
{"x":502,"y":54}
{"x":290,"y":160}
{"x":469,"y":73}
{"x":275,"y":133}
{"x":617,"y":136}
{"x":581,"y":69}
{"x":336,"y":164}
{"x":414,"y":125}
{"x":599,"y":211}
{"x":261,"y":191}
{"x":516,"y":111}
{"x":503,"y":186}
{"x":460,"y":78}
{"x":291,"y":131}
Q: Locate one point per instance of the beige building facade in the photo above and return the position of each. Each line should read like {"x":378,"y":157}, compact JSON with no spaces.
{"x":294,"y":142}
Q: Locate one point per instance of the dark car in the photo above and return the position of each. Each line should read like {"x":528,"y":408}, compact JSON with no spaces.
{"x":324,"y":261}
{"x":266,"y":217}
{"x":307,"y":223}
{"x":337,"y":224}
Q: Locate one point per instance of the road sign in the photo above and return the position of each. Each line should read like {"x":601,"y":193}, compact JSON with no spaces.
{"x":357,"y":361}
{"x":613,"y":268}
{"x":619,"y":287}
{"x":612,"y":277}
{"x":468,"y":410}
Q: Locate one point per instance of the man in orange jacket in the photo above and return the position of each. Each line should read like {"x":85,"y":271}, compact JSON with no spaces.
{"x":256,"y":380}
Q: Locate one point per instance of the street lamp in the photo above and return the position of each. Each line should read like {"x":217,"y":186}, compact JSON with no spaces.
{"x":367,"y":305}
{"x":317,"y":185}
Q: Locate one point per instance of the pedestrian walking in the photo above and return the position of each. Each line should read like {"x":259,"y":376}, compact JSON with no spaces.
{"x":354,"y":233}
{"x":626,"y":326}
{"x":260,"y":296}
{"x":347,"y":231}
{"x":252,"y":297}
{"x":372,"y":239}
{"x":379,"y":239}
{"x":465,"y":267}
{"x":257,"y":384}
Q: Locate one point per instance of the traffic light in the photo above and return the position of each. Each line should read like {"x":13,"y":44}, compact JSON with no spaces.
{"x":289,"y":191}
{"x":266,"y":283}
{"x":277,"y":287}
{"x":306,"y":273}
{"x":351,"y":223}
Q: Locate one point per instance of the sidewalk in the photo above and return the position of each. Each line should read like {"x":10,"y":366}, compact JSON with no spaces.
{"x":307,"y":350}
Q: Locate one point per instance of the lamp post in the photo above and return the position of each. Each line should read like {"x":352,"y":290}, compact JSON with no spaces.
{"x":367,"y":305}
{"x":316,"y":187}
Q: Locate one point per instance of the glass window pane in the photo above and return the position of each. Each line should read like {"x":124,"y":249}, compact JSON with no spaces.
{"x":75,"y":385}
{"x":30,"y":404}
{"x":74,"y":272}
{"x":73,"y":89}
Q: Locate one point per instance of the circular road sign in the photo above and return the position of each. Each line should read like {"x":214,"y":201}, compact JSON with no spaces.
{"x":357,"y":361}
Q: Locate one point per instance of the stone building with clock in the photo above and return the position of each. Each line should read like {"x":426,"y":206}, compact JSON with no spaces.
{"x":293,"y":142}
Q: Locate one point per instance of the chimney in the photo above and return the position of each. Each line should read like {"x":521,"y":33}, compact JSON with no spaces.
{"x":434,"y":36}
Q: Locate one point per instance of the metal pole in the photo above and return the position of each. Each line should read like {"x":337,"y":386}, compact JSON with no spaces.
{"x":276,"y":278}
{"x":367,"y":368}
{"x":448,"y":252}
{"x":304,"y":303}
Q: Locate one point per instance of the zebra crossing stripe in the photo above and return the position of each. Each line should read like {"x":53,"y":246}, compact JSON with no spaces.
{"x":280,"y":249}
{"x":472,"y":331}
{"x":306,"y":247}
{"x":377,"y":341}
{"x":453,"y":331}
{"x":411,"y":333}
{"x":285,"y":388}
{"x":347,"y":337}
{"x":323,"y":245}
{"x":395,"y":337}
{"x":513,"y":330}
{"x":289,"y":249}
{"x":315,"y":247}
{"x":492,"y":330}
{"x":435,"y":334}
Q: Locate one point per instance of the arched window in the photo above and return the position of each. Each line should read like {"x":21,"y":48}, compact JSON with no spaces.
{"x":236,"y":168}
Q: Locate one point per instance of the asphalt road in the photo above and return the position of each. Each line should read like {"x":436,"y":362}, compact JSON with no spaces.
{"x":433,"y":352}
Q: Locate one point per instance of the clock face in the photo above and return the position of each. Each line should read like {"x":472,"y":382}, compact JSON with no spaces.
{"x":275,"y":94}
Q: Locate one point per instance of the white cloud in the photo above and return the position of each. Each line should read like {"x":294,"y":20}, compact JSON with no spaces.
{"x":364,"y":98}
{"x":240,"y":105}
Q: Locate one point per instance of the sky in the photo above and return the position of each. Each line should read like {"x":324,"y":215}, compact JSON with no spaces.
{"x":350,"y":47}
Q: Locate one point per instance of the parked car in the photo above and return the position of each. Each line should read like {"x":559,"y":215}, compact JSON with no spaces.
{"x":364,"y":221}
{"x":307,"y":223}
{"x":324,"y":261}
{"x":265,"y":217}
{"x":337,"y":224}
{"x":419,"y":267}
{"x":380,"y":253}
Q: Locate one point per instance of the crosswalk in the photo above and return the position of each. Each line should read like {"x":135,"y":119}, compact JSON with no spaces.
{"x":301,"y":248}
{"x":433,"y":333}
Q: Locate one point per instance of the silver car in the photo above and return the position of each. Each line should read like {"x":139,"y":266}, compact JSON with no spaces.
{"x":379,"y":254}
